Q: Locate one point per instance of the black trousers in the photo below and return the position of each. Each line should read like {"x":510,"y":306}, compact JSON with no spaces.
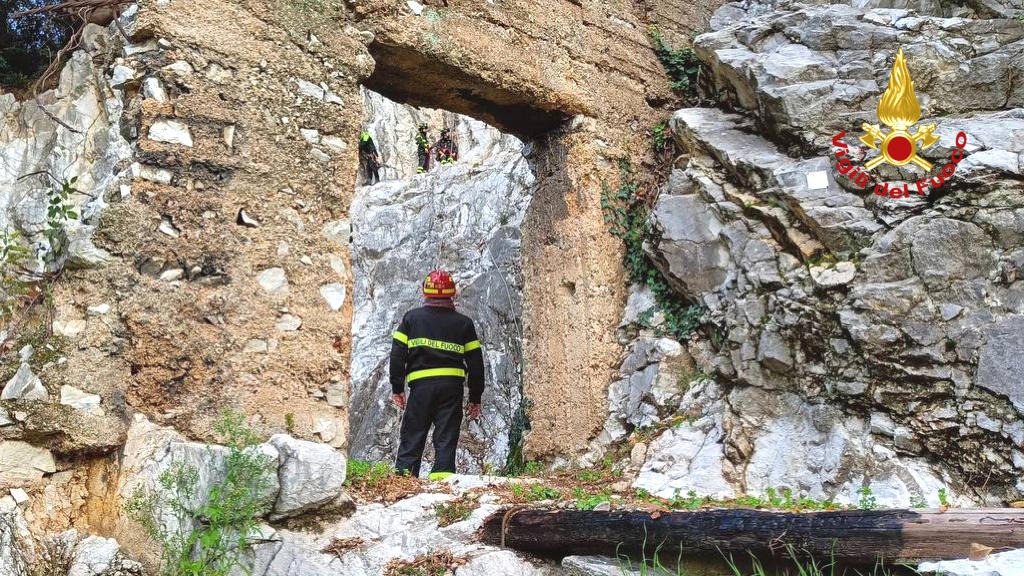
{"x":439,"y":404}
{"x":423,"y":158}
{"x":371,"y":168}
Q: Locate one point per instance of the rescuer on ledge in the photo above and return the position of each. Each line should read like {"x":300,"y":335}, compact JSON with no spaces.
{"x":436,"y":351}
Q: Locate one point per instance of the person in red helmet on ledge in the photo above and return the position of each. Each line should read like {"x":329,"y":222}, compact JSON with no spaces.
{"x":436,"y":352}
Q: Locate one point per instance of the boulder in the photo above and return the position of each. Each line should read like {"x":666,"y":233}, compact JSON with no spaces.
{"x":311,"y":475}
{"x":17,"y":549}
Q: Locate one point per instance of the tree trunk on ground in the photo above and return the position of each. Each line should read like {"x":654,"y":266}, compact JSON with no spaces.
{"x":856,"y":536}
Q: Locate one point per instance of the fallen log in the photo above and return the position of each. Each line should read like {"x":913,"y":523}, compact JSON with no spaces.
{"x":854,"y":536}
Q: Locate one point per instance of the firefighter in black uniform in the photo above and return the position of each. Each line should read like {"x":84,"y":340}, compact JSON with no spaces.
{"x":436,"y":351}
{"x":371,"y":160}
{"x":423,"y":150}
{"x":447,"y":150}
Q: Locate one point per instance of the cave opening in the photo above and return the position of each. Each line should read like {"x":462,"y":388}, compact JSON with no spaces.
{"x":465,"y":217}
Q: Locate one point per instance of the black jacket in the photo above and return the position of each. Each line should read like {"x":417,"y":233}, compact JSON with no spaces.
{"x":437,"y":344}
{"x":367,"y":148}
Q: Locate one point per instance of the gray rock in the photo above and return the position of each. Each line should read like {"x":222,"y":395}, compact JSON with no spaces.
{"x":840,"y":275}
{"x":999,"y":564}
{"x":288,"y":323}
{"x":1001,"y":360}
{"x":24,"y":385}
{"x":311,"y":475}
{"x":17,"y":550}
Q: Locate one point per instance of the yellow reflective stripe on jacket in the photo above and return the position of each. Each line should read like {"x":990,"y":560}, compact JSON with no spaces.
{"x":400,"y":337}
{"x":439,"y":475}
{"x":437,"y":344}
{"x":435,"y":372}
{"x":472,"y":345}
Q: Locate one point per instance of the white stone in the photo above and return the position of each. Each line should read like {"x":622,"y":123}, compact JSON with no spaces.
{"x":153,"y":89}
{"x":338,"y":231}
{"x":319,"y":155}
{"x":288,"y":323}
{"x":69,"y":328}
{"x":839,"y":275}
{"x":172,"y":274}
{"x":24,"y":385}
{"x":21,"y":498}
{"x":152,"y":173}
{"x":310,"y":135}
{"x":311,"y":475}
{"x":307,"y":88}
{"x":122,"y":74}
{"x":1000,"y":564}
{"x":228,"y":135}
{"x":171,"y":132}
{"x":256,"y":346}
{"x":246,"y":220}
{"x":273,"y":281}
{"x":415,"y":7}
{"x":26,"y":352}
{"x":503,"y":562}
{"x":5,"y":417}
{"x":179,"y":67}
{"x":98,"y":310}
{"x":334,"y":143}
{"x":21,"y":463}
{"x":132,"y":49}
{"x":71,"y":396}
{"x":334,"y":294}
{"x":338,"y":265}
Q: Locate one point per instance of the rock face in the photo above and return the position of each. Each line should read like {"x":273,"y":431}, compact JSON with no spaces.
{"x":464,"y":218}
{"x":17,"y":550}
{"x":861,"y":341}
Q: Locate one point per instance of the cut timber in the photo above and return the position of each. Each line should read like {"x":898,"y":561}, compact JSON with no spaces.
{"x":856,"y":536}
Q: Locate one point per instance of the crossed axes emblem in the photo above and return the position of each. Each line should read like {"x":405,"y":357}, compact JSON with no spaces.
{"x":903,"y":145}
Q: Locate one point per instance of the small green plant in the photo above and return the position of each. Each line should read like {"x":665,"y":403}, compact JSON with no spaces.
{"x":681,"y":65}
{"x":918,"y":502}
{"x":367,"y":475}
{"x":13,"y":287}
{"x":590,"y":501}
{"x":626,"y":216}
{"x":943,"y":498}
{"x":662,"y":138}
{"x":289,"y":423}
{"x":867,"y":498}
{"x":208,"y":534}
{"x":59,"y":212}
{"x":454,"y":511}
{"x":539,"y":492}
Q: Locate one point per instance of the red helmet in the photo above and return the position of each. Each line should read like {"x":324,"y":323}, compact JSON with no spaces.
{"x":439,"y":284}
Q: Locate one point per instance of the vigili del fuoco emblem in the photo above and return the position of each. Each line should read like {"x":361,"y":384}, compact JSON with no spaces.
{"x":898,"y":109}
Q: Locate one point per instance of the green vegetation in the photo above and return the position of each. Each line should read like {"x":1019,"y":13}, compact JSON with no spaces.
{"x":867,"y":498}
{"x":663,"y":138}
{"x":626,"y":214}
{"x":516,"y":462}
{"x":210,"y":539}
{"x":367,"y":475}
{"x":28,"y":43}
{"x":439,"y":564}
{"x":681,"y":65}
{"x":454,"y":511}
{"x":289,"y":423}
{"x":943,"y":498}
{"x":799,"y":564}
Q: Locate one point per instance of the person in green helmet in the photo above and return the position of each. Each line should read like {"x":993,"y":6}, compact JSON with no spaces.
{"x":369,"y":157}
{"x":447,"y":149}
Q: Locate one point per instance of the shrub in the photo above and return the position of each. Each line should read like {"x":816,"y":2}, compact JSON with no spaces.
{"x":681,"y":65}
{"x":213,"y":538}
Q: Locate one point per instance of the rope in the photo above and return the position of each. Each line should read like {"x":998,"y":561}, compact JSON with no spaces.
{"x":507,"y":518}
